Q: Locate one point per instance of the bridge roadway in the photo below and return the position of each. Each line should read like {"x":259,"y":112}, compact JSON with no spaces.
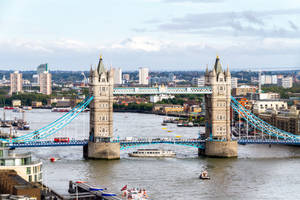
{"x":125,"y":144}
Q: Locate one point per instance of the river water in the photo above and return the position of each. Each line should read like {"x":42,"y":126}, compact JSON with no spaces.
{"x":259,"y":172}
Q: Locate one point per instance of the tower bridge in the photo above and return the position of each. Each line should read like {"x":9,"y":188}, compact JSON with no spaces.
{"x":217,"y":92}
{"x":218,"y":141}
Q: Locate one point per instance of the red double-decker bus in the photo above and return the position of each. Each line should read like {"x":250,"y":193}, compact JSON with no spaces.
{"x":62,"y":139}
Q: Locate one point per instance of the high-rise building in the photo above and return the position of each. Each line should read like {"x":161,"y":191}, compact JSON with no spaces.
{"x":198,"y":82}
{"x":16,"y":82}
{"x":286,"y":82}
{"x":42,"y":68}
{"x":268,"y":79}
{"x":45,"y":83}
{"x":117,"y":76}
{"x":172,"y":77}
{"x":234,"y":82}
{"x":274,"y":79}
{"x":126,"y":77}
{"x":262,"y":79}
{"x":143,"y":76}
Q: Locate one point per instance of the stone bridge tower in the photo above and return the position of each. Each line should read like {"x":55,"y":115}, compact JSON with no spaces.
{"x":101,"y":115}
{"x":217,"y":119}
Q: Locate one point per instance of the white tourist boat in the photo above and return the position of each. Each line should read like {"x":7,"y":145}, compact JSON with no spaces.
{"x":152,"y":153}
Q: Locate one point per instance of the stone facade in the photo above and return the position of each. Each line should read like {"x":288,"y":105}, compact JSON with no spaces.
{"x":101,"y":108}
{"x":101,"y":115}
{"x":218,"y":103}
{"x":222,"y":149}
{"x":217,"y":119}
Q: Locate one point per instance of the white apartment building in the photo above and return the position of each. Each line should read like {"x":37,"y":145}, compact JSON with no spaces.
{"x":16,"y":82}
{"x":274,"y":79}
{"x":234,"y":82}
{"x":143,"y":76}
{"x":269,"y":96}
{"x":261,"y":106}
{"x":118,"y":76}
{"x":287,"y":82}
{"x":156,"y":98}
{"x":126,"y":77}
{"x":198,"y":82}
{"x":45,"y":83}
{"x":269,"y":79}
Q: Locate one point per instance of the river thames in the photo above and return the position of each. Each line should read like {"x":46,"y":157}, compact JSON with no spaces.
{"x":259,"y":172}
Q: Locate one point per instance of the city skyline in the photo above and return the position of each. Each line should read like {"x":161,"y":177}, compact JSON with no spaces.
{"x":176,"y":35}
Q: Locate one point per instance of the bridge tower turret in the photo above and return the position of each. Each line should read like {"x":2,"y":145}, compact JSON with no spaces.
{"x":101,"y":115}
{"x":217,"y":119}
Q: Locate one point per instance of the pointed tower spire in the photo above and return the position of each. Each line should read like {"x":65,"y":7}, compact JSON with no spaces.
{"x":218,"y":66}
{"x":214,"y":72}
{"x":227,"y":72}
{"x":100,"y":68}
{"x":206,"y":71}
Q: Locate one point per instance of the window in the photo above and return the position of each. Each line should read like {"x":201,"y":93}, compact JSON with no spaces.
{"x":29,"y":178}
{"x":28,"y":170}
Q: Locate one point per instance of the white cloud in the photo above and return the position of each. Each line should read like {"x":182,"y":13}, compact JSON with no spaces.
{"x":139,"y":43}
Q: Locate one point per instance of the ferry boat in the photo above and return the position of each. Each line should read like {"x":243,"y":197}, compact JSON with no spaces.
{"x":152,"y":153}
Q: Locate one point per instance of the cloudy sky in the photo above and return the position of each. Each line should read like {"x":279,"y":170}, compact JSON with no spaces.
{"x":159,"y":34}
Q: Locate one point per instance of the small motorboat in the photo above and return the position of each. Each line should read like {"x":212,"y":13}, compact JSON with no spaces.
{"x":52,"y":159}
{"x":204,"y":175}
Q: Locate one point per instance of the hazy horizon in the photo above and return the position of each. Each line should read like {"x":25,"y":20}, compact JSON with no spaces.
{"x":173,"y":34}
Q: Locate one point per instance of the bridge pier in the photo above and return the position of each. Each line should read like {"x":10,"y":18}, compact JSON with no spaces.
{"x":102,"y":150}
{"x":220,"y":149}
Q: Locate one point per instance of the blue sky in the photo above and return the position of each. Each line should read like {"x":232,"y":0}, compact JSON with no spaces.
{"x":159,"y":34}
